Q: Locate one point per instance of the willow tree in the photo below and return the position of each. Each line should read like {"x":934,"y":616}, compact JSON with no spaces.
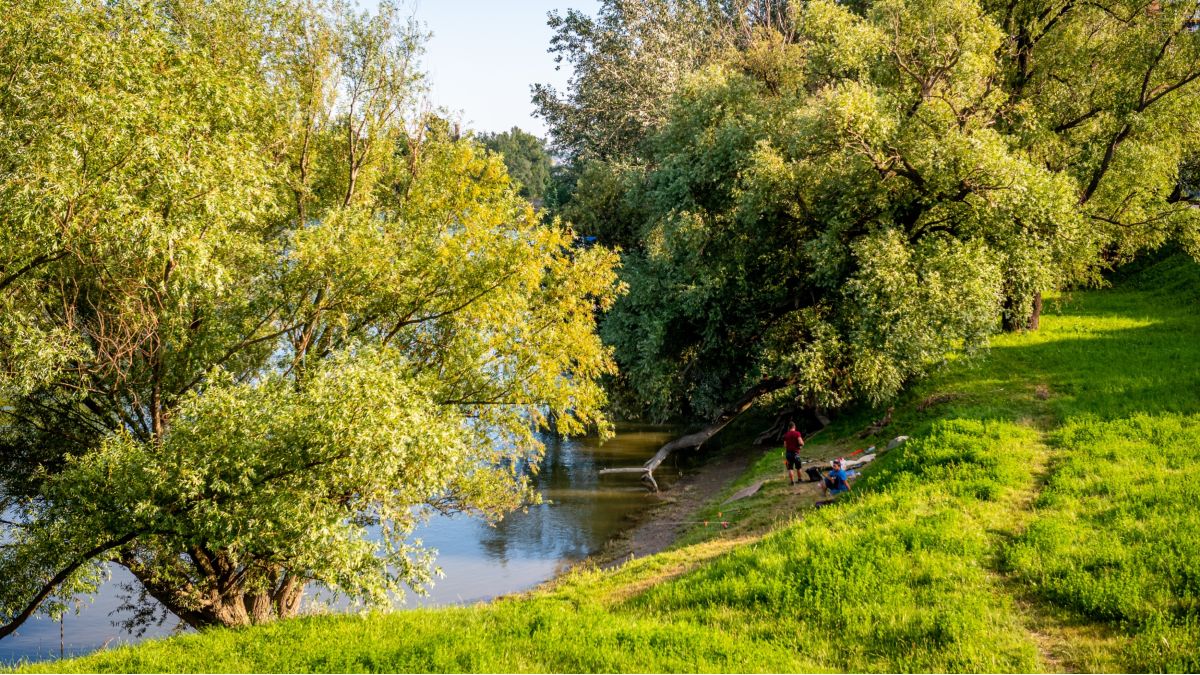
{"x":626,"y":62}
{"x":823,"y":225}
{"x":1107,"y":94}
{"x":830,"y":207}
{"x":258,"y":317}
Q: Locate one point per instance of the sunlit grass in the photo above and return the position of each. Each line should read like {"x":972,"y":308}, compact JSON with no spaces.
{"x":1042,"y":517}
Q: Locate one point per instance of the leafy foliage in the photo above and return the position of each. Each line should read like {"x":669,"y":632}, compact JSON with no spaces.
{"x":838,"y":200}
{"x":257,"y":317}
{"x":929,"y":564}
{"x":625,"y":63}
{"x":526,"y":159}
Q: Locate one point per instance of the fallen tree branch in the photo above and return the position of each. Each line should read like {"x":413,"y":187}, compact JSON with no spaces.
{"x":697,"y":439}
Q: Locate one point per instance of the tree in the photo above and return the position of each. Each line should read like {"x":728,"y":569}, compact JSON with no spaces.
{"x":1106,"y":94}
{"x":258,"y":318}
{"x":835,"y":210}
{"x":526,"y":159}
{"x":626,"y":63}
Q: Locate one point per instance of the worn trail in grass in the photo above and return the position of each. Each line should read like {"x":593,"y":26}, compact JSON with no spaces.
{"x":1041,"y":518}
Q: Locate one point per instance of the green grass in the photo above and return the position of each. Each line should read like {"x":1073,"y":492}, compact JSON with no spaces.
{"x":894,"y":579}
{"x":1043,"y":517}
{"x":1117,"y":535}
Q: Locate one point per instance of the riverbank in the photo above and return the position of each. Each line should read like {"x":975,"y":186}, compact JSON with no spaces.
{"x":480,"y":562}
{"x":662,"y":526}
{"x":1041,"y":518}
{"x":697,"y":498}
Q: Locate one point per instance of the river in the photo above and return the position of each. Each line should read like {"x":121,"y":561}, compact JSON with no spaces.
{"x":579,"y":514}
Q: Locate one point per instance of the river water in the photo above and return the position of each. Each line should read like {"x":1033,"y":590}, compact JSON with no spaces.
{"x":580,"y":513}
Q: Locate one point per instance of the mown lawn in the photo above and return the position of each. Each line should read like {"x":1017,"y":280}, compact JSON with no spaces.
{"x":1043,"y":517}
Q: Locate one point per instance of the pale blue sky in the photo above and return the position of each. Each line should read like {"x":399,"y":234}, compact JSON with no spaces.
{"x":484,"y":56}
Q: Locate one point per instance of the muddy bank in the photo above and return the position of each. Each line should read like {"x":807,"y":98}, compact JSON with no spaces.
{"x":658,"y":527}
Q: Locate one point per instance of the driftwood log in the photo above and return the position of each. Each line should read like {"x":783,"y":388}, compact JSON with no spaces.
{"x":697,"y":439}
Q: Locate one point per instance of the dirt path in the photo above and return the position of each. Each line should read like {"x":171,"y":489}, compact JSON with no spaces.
{"x":1066,"y":643}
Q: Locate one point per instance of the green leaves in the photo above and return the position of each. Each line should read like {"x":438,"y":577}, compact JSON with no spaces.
{"x":848,"y":192}
{"x":914,"y":306}
{"x":834,"y":235}
{"x":526,"y":158}
{"x":627,"y":63}
{"x":258,"y":315}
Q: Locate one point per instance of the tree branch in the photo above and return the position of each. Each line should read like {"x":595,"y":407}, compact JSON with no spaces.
{"x":36,"y":262}
{"x":48,"y":588}
{"x":1098,"y":174}
{"x":1065,"y":126}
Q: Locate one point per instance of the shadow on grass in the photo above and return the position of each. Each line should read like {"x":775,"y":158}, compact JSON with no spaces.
{"x":1112,"y":372}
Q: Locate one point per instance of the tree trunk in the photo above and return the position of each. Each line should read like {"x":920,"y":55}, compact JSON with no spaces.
{"x":802,"y":411}
{"x":229,"y":610}
{"x":822,"y":416}
{"x":774,"y":433}
{"x":259,"y":607}
{"x":287,"y":597}
{"x":1033,"y":321}
{"x":206,"y":611}
{"x":224,"y":601}
{"x":1035,"y":318}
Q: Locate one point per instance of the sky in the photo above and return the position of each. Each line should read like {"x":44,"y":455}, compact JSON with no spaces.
{"x":484,"y":56}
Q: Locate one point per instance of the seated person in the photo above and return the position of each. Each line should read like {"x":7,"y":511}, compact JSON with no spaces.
{"x":837,"y":481}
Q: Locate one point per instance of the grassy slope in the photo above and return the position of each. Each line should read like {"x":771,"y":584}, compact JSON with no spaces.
{"x":1042,"y":518}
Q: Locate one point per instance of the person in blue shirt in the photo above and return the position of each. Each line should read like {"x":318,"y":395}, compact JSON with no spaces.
{"x":837,"y":481}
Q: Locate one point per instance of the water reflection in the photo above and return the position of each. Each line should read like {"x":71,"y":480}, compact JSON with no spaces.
{"x":91,"y":629}
{"x":579,"y":514}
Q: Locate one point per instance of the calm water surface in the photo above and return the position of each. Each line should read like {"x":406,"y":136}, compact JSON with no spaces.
{"x":581,"y":512}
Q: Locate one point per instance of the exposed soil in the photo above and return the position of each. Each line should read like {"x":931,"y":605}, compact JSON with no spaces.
{"x":660,"y":526}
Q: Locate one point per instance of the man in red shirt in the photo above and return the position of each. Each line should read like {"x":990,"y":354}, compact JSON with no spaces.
{"x":792,"y":442}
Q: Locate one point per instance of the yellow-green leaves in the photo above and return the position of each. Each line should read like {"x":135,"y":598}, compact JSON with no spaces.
{"x":257,"y":316}
{"x":913,"y":306}
{"x":841,"y":204}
